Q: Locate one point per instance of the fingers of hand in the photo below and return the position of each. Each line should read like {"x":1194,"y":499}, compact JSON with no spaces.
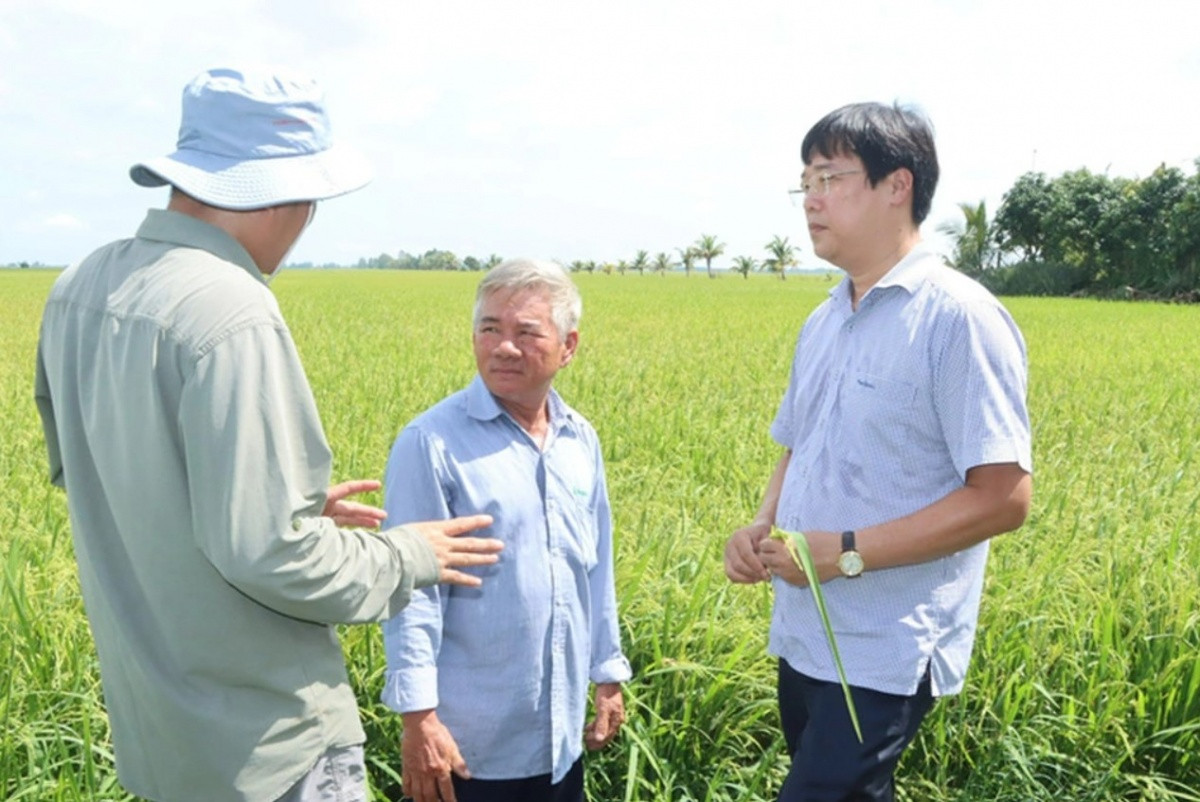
{"x":445,"y":787}
{"x":352,"y":488}
{"x":451,"y":577}
{"x":475,"y":550}
{"x":742,"y":563}
{"x":349,"y":513}
{"x":457,"y":526}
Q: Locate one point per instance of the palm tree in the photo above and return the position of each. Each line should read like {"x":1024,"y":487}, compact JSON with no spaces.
{"x":707,"y":248}
{"x":782,"y":256}
{"x":662,"y":263}
{"x":590,"y":265}
{"x":744,"y":264}
{"x":622,"y":266}
{"x":687,"y":258}
{"x":492,"y":261}
{"x":641,"y":262}
{"x":576,"y":266}
{"x":974,"y":245}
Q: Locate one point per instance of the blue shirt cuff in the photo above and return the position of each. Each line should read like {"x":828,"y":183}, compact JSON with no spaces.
{"x":615,"y":669}
{"x":411,"y":689}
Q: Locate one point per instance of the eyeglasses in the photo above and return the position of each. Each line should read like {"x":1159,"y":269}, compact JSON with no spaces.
{"x":817,"y":186}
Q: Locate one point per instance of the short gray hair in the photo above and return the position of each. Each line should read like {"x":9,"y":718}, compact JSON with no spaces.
{"x":566,"y":305}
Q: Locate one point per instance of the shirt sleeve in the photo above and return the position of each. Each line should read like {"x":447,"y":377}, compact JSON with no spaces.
{"x":608,"y":663}
{"x":258,"y":470}
{"x":783,"y":428}
{"x":980,"y":390}
{"x":45,"y":406}
{"x":412,"y":639}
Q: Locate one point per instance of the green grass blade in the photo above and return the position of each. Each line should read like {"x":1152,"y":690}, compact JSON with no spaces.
{"x":797,"y":546}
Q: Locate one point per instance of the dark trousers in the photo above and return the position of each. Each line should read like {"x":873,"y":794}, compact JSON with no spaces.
{"x":528,"y":789}
{"x":828,"y":762}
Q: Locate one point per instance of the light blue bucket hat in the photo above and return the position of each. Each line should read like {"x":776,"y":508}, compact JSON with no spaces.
{"x":252,"y":138}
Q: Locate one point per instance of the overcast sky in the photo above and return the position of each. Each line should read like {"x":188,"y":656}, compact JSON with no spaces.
{"x":576,"y":130}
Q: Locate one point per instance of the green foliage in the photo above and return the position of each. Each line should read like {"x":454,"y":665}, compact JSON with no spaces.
{"x":744,"y":265}
{"x":974,"y":248}
{"x":782,"y":256}
{"x":1084,"y":685}
{"x":707,"y":248}
{"x":1113,"y":236}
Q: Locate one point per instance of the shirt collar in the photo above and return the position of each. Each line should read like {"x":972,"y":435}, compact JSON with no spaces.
{"x":909,"y":273}
{"x":176,"y":228}
{"x":482,"y":405}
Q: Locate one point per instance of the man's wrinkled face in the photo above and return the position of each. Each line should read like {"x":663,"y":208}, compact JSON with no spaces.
{"x":518,"y":349}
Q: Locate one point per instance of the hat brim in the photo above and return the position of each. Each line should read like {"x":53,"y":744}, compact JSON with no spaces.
{"x":257,"y":183}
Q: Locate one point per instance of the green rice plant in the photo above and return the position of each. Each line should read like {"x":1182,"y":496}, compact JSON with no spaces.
{"x":1084,"y":683}
{"x":797,"y":546}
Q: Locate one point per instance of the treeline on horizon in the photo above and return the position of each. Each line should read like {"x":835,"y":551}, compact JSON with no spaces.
{"x":1086,"y":233}
{"x":1080,"y":233}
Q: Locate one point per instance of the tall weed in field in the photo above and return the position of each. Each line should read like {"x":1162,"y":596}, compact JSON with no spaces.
{"x":1085,"y":682}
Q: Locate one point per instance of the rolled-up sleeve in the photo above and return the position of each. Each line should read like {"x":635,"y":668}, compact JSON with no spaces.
{"x":258,"y":469}
{"x":412,"y":638}
{"x":608,"y":662}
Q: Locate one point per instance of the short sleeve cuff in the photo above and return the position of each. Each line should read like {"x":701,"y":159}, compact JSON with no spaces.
{"x":615,"y":669}
{"x":411,"y":689}
{"x":996,"y":451}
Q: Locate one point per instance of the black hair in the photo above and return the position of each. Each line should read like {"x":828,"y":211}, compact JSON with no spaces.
{"x":886,"y":138}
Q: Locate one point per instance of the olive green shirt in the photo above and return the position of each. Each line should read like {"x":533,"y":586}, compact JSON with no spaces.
{"x":179,"y":420}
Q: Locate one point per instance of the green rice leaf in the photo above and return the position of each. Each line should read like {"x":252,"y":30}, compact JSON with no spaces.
{"x":797,"y":546}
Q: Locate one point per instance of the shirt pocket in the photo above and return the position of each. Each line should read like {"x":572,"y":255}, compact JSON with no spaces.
{"x":878,"y":410}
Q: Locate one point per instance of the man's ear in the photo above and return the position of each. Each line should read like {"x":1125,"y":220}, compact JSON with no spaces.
{"x":569,"y":346}
{"x":900,"y":182}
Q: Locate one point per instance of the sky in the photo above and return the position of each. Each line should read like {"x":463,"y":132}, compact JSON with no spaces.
{"x":583,"y":130}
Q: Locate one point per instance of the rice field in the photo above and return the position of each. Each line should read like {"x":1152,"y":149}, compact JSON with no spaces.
{"x":1085,"y":683}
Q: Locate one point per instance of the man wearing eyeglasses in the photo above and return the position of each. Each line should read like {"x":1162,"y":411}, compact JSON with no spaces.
{"x":906,"y":447}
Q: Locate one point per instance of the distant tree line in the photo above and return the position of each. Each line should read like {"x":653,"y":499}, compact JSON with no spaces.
{"x":432,"y":259}
{"x":1086,"y":233}
{"x":781,"y":255}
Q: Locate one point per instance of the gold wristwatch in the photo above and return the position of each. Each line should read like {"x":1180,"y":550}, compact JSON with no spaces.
{"x":850,"y":562}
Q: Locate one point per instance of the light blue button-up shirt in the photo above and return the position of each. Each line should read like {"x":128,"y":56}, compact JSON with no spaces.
{"x":507,"y":665}
{"x":886,"y":410}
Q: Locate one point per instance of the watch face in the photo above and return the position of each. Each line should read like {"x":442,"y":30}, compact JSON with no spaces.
{"x":850,"y":563}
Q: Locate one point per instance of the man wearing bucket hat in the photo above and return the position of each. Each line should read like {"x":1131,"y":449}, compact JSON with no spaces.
{"x":212,"y":558}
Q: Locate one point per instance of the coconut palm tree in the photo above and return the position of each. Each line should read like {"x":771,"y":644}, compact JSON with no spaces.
{"x":974,"y":246}
{"x":744,"y":264}
{"x":687,"y":258}
{"x":707,"y":248}
{"x":783,"y":256}
{"x":641,"y":262}
{"x":662,"y":263}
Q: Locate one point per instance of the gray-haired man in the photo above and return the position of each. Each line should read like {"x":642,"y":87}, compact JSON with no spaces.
{"x":493,"y":683}
{"x":179,"y":420}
